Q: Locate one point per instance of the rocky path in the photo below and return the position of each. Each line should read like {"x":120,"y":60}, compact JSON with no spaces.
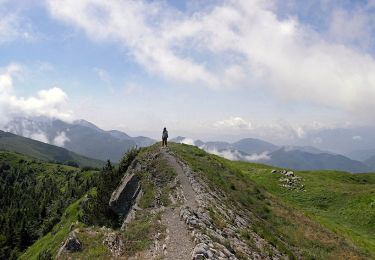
{"x":188,"y":192}
{"x":200,"y":222}
{"x":178,"y":242}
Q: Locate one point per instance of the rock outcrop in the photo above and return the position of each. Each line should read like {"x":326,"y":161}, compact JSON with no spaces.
{"x":124,"y":197}
{"x":216,"y":226}
{"x":290,"y":180}
{"x":71,"y":244}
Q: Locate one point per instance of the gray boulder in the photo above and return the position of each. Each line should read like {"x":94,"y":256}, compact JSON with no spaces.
{"x":125,"y":195}
{"x":71,"y":244}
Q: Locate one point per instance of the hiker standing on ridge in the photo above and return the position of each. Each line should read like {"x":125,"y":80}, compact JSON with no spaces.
{"x":164,"y":137}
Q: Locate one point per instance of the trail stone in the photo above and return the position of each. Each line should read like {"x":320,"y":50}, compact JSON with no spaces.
{"x":289,"y":174}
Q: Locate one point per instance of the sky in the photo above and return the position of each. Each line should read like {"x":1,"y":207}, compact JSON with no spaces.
{"x":204,"y":69}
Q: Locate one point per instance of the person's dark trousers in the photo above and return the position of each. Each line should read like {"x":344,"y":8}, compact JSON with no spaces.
{"x":165,"y":142}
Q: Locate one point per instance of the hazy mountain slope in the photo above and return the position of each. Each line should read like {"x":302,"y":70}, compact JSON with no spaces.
{"x":341,"y":140}
{"x":94,"y":144}
{"x":216,"y":145}
{"x":43,"y":151}
{"x":370,"y":162}
{"x":293,"y":157}
{"x":251,"y":145}
{"x":308,"y":149}
{"x":300,"y":160}
{"x":361,"y":155}
{"x":80,"y":136}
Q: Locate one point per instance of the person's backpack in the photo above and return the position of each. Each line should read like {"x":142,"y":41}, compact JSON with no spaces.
{"x":165,"y":134}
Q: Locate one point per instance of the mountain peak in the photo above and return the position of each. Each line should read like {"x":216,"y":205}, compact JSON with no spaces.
{"x":86,"y":123}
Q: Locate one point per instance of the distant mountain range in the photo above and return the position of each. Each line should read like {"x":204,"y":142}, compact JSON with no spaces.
{"x":301,"y":160}
{"x":43,"y":151}
{"x":293,"y":157}
{"x":80,"y":136}
{"x":87,"y":139}
{"x":355,"y":142}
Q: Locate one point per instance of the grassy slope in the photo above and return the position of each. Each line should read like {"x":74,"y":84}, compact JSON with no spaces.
{"x":43,"y":151}
{"x":343,"y":202}
{"x":91,"y":238}
{"x":52,"y":241}
{"x":307,"y":232}
{"x":138,"y":235}
{"x":59,"y":175}
{"x":332,"y":220}
{"x":43,"y":168}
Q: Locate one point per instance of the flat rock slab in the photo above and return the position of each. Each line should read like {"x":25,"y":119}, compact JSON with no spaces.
{"x":124,"y":196}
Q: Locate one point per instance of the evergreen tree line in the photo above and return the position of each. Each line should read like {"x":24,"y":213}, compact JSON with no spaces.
{"x":33,"y":196}
{"x":95,"y":209}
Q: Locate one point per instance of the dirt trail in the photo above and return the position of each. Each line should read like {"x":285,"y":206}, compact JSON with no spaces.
{"x":188,"y":191}
{"x":178,"y":242}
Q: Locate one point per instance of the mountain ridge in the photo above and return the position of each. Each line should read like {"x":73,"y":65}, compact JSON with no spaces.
{"x":183,"y":203}
{"x":292,"y":157}
{"x":80,"y":136}
{"x":43,"y":151}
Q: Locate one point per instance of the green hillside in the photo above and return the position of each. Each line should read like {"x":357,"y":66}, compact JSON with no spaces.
{"x":33,"y":197}
{"x":43,"y":151}
{"x":90,"y":211}
{"x":330,"y":217}
{"x":343,"y":202}
{"x":333,"y":219}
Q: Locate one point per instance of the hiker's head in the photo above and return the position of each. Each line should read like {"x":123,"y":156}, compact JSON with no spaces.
{"x":164,"y":129}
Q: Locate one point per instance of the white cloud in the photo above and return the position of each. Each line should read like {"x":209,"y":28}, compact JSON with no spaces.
{"x":258,"y":157}
{"x":235,"y":155}
{"x":188,"y":141}
{"x":51,"y":102}
{"x":245,"y":42}
{"x":60,"y":139}
{"x":357,"y":138}
{"x":227,"y":154}
{"x":233,"y":123}
{"x":300,"y":132}
{"x":131,"y":88}
{"x":355,"y":26}
{"x":13,"y":27}
{"x":39,"y":136}
{"x":128,"y":22}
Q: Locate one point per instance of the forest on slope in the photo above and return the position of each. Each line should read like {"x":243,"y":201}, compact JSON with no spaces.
{"x":34,"y":195}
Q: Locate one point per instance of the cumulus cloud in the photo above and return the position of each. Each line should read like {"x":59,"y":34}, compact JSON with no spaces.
{"x":13,"y":27}
{"x":39,"y":136}
{"x":50,"y":103}
{"x":235,"y":155}
{"x":233,"y":123}
{"x":60,"y":139}
{"x":188,"y":141}
{"x":258,"y":157}
{"x":245,"y":43}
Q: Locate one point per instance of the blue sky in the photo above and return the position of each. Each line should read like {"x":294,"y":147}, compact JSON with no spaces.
{"x":206,"y":69}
